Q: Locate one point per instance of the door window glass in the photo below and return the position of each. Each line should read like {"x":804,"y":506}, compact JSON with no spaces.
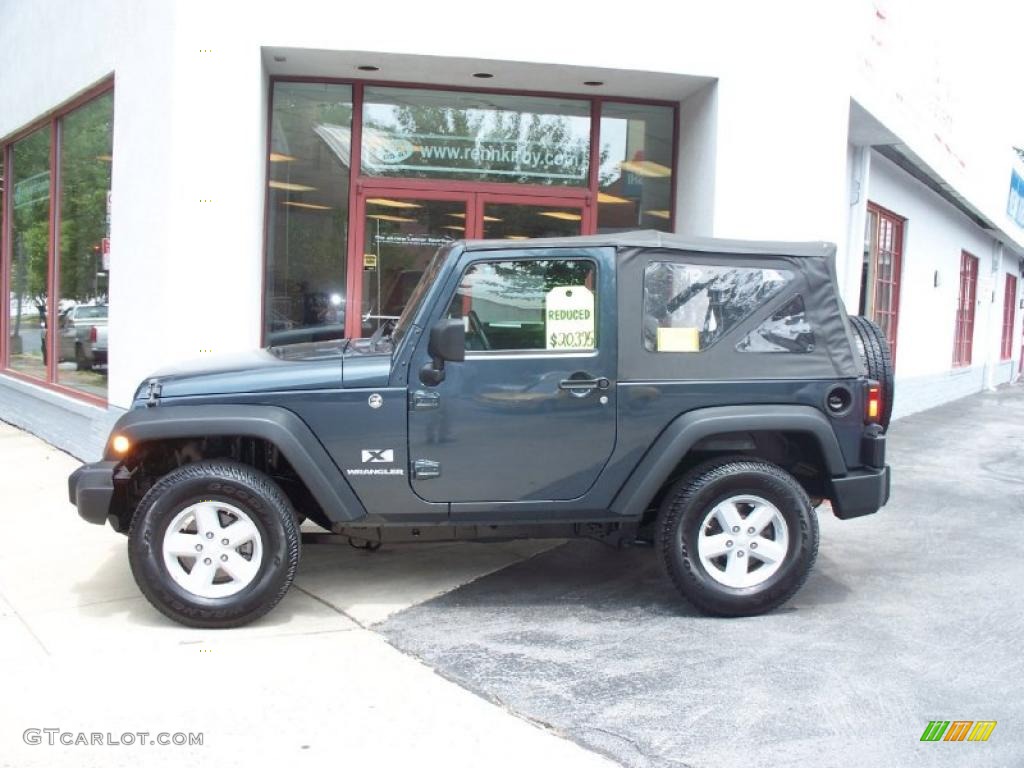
{"x":426,"y":134}
{"x":518,"y":222}
{"x":30,"y":243}
{"x":307,"y":211}
{"x":528,"y":305}
{"x":687,"y":307}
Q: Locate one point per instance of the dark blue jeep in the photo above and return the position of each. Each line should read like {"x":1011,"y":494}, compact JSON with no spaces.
{"x":701,"y":395}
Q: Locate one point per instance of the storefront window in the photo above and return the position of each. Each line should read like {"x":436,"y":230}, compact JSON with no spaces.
{"x":424,"y":134}
{"x":307,"y":212}
{"x":86,"y":154}
{"x":635,"y":178}
{"x":29,"y":243}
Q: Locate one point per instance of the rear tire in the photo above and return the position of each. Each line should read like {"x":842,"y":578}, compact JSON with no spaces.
{"x":214,"y":544}
{"x":737,"y":536}
{"x":873,"y":347}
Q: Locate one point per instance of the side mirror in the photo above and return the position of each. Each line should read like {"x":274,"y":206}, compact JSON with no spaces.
{"x":447,"y":343}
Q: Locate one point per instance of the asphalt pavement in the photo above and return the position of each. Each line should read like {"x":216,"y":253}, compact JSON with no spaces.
{"x":911,"y":615}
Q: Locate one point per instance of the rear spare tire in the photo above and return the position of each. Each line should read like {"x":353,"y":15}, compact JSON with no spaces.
{"x":874,"y":351}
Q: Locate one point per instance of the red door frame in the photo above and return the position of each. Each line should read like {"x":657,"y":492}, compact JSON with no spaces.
{"x":475,"y":195}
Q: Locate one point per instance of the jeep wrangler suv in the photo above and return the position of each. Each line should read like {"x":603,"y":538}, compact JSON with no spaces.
{"x":703,"y":396}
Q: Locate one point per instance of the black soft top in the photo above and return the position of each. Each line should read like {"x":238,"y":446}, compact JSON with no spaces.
{"x":649,"y":238}
{"x":813,"y":263}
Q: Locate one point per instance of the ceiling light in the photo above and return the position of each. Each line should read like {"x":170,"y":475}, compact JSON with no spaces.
{"x":310,"y":206}
{"x":646,"y":168}
{"x":387,"y":203}
{"x":483,"y":75}
{"x":659,"y":214}
{"x":389,"y":217}
{"x":604,"y":197}
{"x":287,"y":185}
{"x":277,"y":157}
{"x":368,"y":68}
{"x":593,"y":83}
{"x":516,"y":237}
{"x":454,"y":227}
{"x":457,"y":215}
{"x":562,"y":215}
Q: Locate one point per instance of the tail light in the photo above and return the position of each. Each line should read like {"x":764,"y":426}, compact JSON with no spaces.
{"x":92,"y":334}
{"x":873,"y":405}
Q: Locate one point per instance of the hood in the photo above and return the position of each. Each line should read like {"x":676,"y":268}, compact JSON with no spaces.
{"x":313,"y":365}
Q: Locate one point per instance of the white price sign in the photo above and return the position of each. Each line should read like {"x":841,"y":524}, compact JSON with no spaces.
{"x":569,"y":318}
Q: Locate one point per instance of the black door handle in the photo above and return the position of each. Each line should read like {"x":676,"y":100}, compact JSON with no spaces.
{"x":583,"y":385}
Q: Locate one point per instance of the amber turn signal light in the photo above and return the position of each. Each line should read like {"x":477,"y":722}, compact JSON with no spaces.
{"x":874,"y":405}
{"x":121,"y":444}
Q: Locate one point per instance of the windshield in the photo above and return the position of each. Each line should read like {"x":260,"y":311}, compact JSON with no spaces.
{"x":413,"y":304}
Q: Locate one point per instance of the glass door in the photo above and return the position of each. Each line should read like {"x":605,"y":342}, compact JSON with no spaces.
{"x":512,"y":218}
{"x":400,"y":234}
{"x":402,"y":228}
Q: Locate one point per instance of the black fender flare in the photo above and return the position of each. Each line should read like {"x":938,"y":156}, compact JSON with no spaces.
{"x":686,"y":430}
{"x":292,"y":436}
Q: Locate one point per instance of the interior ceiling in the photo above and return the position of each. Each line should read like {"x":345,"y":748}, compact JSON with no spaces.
{"x":507,"y":75}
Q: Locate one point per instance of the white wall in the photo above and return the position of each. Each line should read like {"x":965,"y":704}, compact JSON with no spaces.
{"x":935,"y":235}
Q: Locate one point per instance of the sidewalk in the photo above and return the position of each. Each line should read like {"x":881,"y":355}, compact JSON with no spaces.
{"x":310,"y":684}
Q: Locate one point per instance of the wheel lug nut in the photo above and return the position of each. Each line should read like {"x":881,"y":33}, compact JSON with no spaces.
{"x":199,"y":547}
{"x":223,"y":558}
{"x":207,"y":561}
{"x":224,"y":542}
{"x":728,"y":543}
{"x":735,"y":529}
{"x":753,"y":545}
{"x":739,"y":553}
{"x":750,"y":530}
{"x":209,"y":535}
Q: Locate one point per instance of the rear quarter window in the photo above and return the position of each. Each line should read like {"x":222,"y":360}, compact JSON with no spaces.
{"x":688,"y":307}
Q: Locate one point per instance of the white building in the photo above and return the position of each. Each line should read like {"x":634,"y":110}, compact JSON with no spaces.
{"x":270,"y":167}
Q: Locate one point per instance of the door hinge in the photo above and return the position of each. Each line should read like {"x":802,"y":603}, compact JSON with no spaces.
{"x":422,"y":400}
{"x":153,"y":395}
{"x":425,"y":469}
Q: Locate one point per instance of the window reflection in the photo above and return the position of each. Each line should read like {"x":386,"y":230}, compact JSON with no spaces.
{"x":86,"y":153}
{"x":307,"y":214}
{"x":635,"y":177}
{"x":419,"y":133}
{"x":30,"y":236}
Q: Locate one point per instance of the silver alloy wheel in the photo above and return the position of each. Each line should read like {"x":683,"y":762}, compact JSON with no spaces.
{"x":212,"y":549}
{"x":743,"y":541}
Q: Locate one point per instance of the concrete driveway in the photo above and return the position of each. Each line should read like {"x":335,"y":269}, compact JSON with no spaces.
{"x":310,"y":684}
{"x":911,"y":615}
{"x":580,"y":655}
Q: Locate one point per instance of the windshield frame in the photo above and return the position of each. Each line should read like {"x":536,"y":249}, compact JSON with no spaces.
{"x":412,"y":306}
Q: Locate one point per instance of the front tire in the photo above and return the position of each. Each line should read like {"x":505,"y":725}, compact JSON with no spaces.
{"x":214,"y":544}
{"x":738,"y":536}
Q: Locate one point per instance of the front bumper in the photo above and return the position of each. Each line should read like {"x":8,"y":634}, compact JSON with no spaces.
{"x":91,"y":489}
{"x":860,"y":493}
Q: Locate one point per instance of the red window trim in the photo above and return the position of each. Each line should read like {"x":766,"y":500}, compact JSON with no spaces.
{"x":50,"y":120}
{"x":1009,"y":317}
{"x":963,"y":337}
{"x":358,"y":183}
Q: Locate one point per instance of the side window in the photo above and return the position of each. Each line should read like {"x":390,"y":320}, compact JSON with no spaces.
{"x":687,"y":307}
{"x":787,"y":330}
{"x":528,"y":305}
